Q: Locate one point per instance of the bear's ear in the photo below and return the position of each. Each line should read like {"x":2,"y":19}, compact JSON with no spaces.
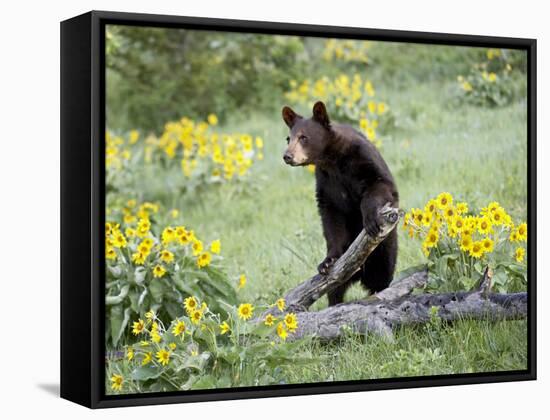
{"x":320,"y":114}
{"x":290,"y":117}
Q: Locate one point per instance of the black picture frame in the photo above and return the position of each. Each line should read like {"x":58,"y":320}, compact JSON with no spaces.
{"x":83,"y":207}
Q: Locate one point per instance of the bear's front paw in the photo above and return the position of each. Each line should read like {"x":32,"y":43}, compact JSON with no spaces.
{"x":325,"y":266}
{"x":371,"y":227}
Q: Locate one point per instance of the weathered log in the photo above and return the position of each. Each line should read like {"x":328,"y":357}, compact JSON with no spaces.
{"x":396,"y":306}
{"x":305,"y":294}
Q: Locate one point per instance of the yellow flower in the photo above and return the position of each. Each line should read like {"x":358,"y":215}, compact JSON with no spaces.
{"x":476,"y":250}
{"x":204,"y":259}
{"x":281,"y":304}
{"x":134,"y":136}
{"x":166,"y":256}
{"x":291,"y":322}
{"x":172,"y":346}
{"x":245,"y":311}
{"x":190,"y":304}
{"x":147,"y":358}
{"x":281,"y":331}
{"x":449,"y":213}
{"x":197,"y":247}
{"x":427,"y":218}
{"x":196,"y":316}
{"x":138,"y":327}
{"x":492,"y":77}
{"x":488,"y":245}
{"x":457,"y":223}
{"x":116,"y":382}
{"x":155,"y":337}
{"x":466,"y":243}
{"x":119,"y":240}
{"x":144,"y":343}
{"x":269,"y":320}
{"x":444,"y":200}
{"x":519,"y":254}
{"x":242,"y":281}
{"x":143,"y":227}
{"x":163,"y":357}
{"x":130,"y":232}
{"x":158,"y":271}
{"x":216,"y":246}
{"x":139,"y":258}
{"x":129,"y":353}
{"x":110,"y":253}
{"x":461,"y":208}
{"x":168,"y":235}
{"x":467,"y":86}
{"x":150,"y":315}
{"x":431,"y":206}
{"x":184,"y":237}
{"x":108,"y":228}
{"x":129,"y":219}
{"x":522,"y":232}
{"x":514,"y":236}
{"x":174,"y":213}
{"x":179,"y":328}
{"x":484,"y":225}
{"x":498,"y":216}
{"x":431,"y":238}
{"x":212,"y":119}
{"x":224,"y":328}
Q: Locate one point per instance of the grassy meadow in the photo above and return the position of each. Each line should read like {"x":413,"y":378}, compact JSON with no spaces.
{"x":270,"y":229}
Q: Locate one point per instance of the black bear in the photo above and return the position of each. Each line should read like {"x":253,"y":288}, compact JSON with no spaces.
{"x":353,"y":183}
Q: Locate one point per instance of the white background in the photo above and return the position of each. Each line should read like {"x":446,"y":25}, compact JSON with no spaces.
{"x":29,"y":223}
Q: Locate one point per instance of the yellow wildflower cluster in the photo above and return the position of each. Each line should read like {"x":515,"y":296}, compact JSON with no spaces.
{"x":487,"y":81}
{"x":197,"y":146}
{"x":346,"y":50}
{"x":442,"y":220}
{"x":225,"y":155}
{"x":117,"y":150}
{"x":161,"y":250}
{"x":166,"y":347}
{"x":350,"y":98}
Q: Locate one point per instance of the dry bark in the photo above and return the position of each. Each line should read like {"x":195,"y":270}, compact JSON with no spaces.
{"x":396,"y":305}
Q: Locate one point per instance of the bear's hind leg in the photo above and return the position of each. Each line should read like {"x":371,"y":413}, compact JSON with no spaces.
{"x":337,"y":295}
{"x":379,"y":268}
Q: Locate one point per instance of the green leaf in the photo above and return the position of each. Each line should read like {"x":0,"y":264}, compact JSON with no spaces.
{"x":144,"y":373}
{"x":157,"y":288}
{"x":116,"y":316}
{"x":198,"y":362}
{"x":205,"y":382}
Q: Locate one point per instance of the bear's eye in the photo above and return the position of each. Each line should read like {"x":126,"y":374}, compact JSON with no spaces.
{"x":287,"y":140}
{"x":303,"y":139}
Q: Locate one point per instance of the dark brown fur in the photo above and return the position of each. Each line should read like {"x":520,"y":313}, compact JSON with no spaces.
{"x":353,"y":183}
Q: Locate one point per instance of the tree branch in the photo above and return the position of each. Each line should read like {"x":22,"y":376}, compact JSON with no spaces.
{"x":305,"y":294}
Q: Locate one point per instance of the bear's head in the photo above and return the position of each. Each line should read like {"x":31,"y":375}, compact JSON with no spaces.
{"x":308,"y":136}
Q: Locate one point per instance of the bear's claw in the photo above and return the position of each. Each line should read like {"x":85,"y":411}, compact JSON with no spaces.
{"x":325,"y":266}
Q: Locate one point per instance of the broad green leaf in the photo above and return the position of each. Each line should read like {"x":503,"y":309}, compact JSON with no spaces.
{"x":157,"y":288}
{"x":144,"y":373}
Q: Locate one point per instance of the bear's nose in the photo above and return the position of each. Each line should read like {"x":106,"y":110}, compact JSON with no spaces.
{"x":287,"y":158}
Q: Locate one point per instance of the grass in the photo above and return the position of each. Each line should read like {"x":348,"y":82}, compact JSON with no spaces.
{"x":271,"y":231}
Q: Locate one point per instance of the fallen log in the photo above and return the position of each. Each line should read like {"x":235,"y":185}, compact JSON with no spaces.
{"x":396,"y":306}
